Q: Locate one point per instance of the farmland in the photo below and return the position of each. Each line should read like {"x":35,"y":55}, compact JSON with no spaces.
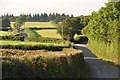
{"x":12,"y":24}
{"x":42,"y":54}
{"x":36,"y":25}
{"x":48,"y":29}
{"x":49,"y":33}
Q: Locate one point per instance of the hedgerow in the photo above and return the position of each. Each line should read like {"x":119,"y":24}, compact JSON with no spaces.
{"x":32,"y":45}
{"x":103,"y":32}
{"x":13,"y":38}
{"x":40,"y":65}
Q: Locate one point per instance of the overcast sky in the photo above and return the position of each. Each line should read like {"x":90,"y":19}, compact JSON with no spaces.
{"x":75,"y":7}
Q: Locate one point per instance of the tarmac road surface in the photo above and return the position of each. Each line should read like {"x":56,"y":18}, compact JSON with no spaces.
{"x":98,"y":68}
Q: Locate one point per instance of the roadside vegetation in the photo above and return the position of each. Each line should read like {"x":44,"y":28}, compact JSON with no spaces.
{"x":103,"y":32}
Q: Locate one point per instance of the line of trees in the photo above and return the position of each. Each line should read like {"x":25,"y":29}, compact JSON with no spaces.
{"x":43,"y":17}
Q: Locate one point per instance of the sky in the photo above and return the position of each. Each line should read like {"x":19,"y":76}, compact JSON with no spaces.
{"x":75,"y":7}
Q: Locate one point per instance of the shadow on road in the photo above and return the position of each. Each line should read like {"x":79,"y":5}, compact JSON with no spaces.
{"x":98,"y":68}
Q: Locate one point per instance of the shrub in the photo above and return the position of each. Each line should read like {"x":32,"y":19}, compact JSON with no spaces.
{"x":76,"y":37}
{"x":80,"y":38}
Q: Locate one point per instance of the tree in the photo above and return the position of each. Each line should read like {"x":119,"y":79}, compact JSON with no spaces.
{"x":70,"y":27}
{"x":20,"y":20}
{"x":5,"y":22}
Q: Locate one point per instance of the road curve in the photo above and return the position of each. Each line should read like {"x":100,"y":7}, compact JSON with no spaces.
{"x":98,"y":68}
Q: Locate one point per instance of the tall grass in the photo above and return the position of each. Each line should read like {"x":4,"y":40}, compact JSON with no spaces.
{"x":105,"y":51}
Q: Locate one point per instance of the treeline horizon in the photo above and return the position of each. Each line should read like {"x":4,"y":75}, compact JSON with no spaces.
{"x":43,"y":17}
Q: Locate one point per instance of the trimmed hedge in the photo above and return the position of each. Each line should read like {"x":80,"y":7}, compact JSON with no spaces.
{"x":47,"y":39}
{"x":37,"y":66}
{"x":32,"y":45}
{"x":13,"y":38}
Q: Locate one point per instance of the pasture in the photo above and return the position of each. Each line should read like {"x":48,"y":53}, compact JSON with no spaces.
{"x":36,"y":25}
{"x":48,"y":28}
{"x":12,"y":24}
{"x":52,"y":33}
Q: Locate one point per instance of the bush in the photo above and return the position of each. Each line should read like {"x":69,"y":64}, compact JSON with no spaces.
{"x":76,"y":37}
{"x":80,"y":39}
{"x":40,"y":65}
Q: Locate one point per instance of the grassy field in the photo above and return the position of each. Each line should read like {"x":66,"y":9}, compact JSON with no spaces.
{"x":52,"y":33}
{"x":36,"y":25}
{"x":12,"y":24}
{"x":49,"y":33}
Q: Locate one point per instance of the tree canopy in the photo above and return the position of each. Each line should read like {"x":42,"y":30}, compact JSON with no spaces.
{"x":20,"y":20}
{"x":104,"y":24}
{"x":5,"y":22}
{"x":72,"y":26}
{"x":43,"y":17}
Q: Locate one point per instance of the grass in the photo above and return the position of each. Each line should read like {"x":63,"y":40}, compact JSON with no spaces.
{"x":12,"y":24}
{"x":107,"y":52}
{"x":49,"y":33}
{"x":36,"y":25}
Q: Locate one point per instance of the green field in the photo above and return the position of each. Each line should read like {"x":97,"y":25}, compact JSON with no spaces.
{"x":36,"y":25}
{"x":52,"y":33}
{"x":12,"y":24}
{"x":49,"y":33}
